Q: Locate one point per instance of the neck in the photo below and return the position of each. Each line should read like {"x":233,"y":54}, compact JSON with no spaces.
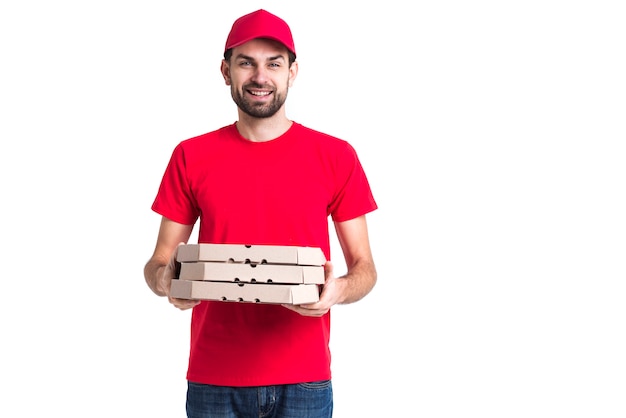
{"x":262,"y":129}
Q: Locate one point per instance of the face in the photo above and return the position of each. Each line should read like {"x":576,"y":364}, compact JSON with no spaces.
{"x":259,"y":76}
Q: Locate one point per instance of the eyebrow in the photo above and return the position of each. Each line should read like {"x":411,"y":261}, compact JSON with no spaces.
{"x":249,"y":58}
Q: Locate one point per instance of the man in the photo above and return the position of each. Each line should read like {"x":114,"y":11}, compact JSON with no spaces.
{"x":264,"y":180}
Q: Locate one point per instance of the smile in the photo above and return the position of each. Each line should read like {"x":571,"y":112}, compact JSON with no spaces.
{"x":259,"y":93}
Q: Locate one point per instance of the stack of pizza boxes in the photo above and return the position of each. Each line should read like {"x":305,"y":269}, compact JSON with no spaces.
{"x":249,"y":273}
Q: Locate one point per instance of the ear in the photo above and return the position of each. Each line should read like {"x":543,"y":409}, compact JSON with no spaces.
{"x":225,"y":70}
{"x":293,"y":73}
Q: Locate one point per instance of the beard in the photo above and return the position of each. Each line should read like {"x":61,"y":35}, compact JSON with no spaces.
{"x":258,"y":110}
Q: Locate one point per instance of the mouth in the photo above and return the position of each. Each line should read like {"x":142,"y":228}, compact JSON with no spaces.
{"x":259,"y":93}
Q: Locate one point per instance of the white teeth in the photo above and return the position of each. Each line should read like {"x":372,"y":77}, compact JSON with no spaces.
{"x":259,"y":93}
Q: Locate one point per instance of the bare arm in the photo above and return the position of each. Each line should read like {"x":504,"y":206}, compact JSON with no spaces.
{"x":360,"y":277}
{"x":161,"y":268}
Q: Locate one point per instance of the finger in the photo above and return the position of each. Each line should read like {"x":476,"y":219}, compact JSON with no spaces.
{"x":183,"y":303}
{"x":328,"y":269}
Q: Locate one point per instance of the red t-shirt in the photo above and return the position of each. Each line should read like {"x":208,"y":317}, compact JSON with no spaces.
{"x":279,"y":192}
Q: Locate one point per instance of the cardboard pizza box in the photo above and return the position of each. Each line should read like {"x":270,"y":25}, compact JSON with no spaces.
{"x":245,"y":292}
{"x":259,"y":254}
{"x":251,"y":273}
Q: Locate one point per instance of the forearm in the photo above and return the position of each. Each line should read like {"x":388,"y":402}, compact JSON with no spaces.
{"x":161,"y":268}
{"x":152,"y":272}
{"x":357,"y":282}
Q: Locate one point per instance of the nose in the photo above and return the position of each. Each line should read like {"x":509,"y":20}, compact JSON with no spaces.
{"x":260,"y":75}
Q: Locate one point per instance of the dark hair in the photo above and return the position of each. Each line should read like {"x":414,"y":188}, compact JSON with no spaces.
{"x":229,"y":53}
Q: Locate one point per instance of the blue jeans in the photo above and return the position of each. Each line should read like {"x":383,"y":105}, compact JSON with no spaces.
{"x":302,"y":400}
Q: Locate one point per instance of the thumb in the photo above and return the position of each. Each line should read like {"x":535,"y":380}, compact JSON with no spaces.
{"x":328,"y":270}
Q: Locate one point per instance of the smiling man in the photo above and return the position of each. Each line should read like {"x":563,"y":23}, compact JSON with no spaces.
{"x":264,"y":180}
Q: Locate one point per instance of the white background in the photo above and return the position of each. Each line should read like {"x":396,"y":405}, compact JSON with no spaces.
{"x":492,"y":133}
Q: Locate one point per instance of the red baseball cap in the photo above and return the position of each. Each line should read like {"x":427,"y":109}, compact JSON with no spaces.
{"x":260,"y":24}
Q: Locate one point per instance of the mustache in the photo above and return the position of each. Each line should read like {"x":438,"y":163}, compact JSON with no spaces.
{"x":258,"y":86}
